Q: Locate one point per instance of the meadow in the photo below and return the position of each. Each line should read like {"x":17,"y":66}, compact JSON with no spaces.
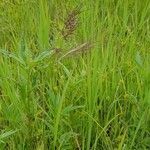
{"x":74,"y":74}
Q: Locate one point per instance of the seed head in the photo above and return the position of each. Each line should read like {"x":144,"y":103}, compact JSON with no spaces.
{"x":70,"y":23}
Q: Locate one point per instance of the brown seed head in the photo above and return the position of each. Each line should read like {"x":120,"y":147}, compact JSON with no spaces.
{"x":70,"y":23}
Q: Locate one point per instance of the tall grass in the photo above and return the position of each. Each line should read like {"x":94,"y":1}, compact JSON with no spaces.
{"x":74,"y":75}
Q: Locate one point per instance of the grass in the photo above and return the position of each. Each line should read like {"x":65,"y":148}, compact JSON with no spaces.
{"x":74,"y":75}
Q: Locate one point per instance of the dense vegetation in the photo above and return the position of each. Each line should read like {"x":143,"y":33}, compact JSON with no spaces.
{"x":74,"y":74}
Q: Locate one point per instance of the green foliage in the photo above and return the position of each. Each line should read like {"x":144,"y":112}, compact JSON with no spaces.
{"x":74,"y":75}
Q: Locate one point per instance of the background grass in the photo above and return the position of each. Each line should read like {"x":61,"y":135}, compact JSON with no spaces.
{"x":97,"y":100}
